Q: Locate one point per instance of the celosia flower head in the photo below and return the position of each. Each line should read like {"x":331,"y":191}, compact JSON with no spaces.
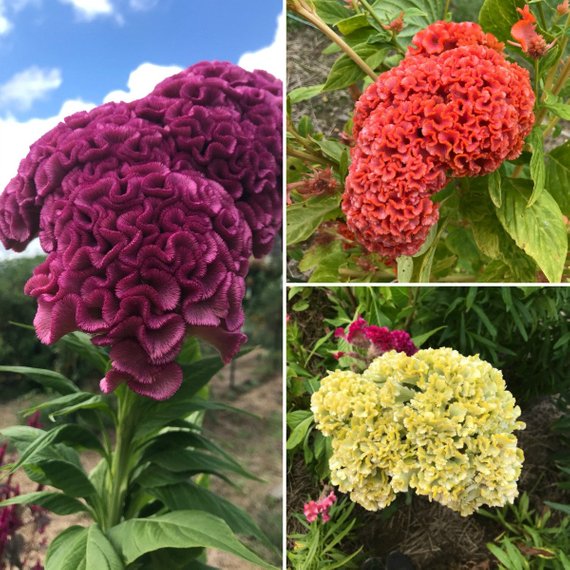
{"x":312,"y":509}
{"x":376,"y":339}
{"x":528,"y":39}
{"x":436,"y":422}
{"x":149,"y":212}
{"x":454,"y":106}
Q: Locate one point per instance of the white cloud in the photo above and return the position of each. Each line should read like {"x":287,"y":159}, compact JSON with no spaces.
{"x":142,"y":81}
{"x":17,"y":136}
{"x":27,"y":86}
{"x":91,"y":9}
{"x":5,"y":24}
{"x":270,"y":58}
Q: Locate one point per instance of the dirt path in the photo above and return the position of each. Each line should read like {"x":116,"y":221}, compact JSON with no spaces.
{"x":257,"y":444}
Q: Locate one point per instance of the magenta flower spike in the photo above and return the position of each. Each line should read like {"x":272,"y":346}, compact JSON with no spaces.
{"x":149,"y":212}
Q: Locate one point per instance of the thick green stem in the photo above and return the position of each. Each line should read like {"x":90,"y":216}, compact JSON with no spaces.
{"x":306,"y":156}
{"x":120,"y":468}
{"x":301,"y":7}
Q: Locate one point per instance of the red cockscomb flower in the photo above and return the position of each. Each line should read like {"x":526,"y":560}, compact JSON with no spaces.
{"x":454,"y":106}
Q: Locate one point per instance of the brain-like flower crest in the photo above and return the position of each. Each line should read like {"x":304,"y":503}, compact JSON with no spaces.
{"x":149,"y":212}
{"x":437,"y":422}
{"x":453,"y":107}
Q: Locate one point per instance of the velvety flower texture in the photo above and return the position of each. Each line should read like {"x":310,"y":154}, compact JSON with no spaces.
{"x":453,"y":107}
{"x":437,"y":422}
{"x":149,"y":212}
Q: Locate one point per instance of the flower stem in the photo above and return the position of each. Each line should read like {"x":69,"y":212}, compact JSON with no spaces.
{"x":119,"y":471}
{"x":303,"y":9}
{"x":305,"y":155}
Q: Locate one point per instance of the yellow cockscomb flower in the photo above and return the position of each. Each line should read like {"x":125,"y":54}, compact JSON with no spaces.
{"x":437,"y":422}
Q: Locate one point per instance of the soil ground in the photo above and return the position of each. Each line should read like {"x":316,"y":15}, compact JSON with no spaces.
{"x":254,"y":441}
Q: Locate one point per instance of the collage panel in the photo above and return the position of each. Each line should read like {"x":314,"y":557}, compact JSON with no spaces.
{"x":141,"y":160}
{"x":428,"y":427}
{"x":427,"y":141}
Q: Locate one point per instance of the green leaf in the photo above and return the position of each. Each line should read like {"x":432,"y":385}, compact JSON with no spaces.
{"x":332,"y":11}
{"x":557,"y":106}
{"x":405,"y":265}
{"x":305,"y":217}
{"x":154,"y":476}
{"x":501,"y":556}
{"x":49,"y":378}
{"x":323,"y":260}
{"x":425,"y":262}
{"x":71,"y":403}
{"x":180,"y":529}
{"x":499,"y":16}
{"x":537,"y":168}
{"x":304,"y":93}
{"x":559,"y":507}
{"x":72,"y":480}
{"x":349,"y":25}
{"x":190,"y":496}
{"x":332,"y":149}
{"x":80,"y":548}
{"x":55,"y":502}
{"x":417,"y":14}
{"x":558,"y":176}
{"x":68,"y":433}
{"x":495,"y":188}
{"x":172,"y":559}
{"x":419,"y":339}
{"x":195,"y":461}
{"x":345,"y":71}
{"x":299,"y":433}
{"x":539,"y":231}
{"x":81,"y":344}
{"x":296,"y":417}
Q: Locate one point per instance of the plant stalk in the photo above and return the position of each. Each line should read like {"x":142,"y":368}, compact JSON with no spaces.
{"x":301,"y":7}
{"x":120,"y":472}
{"x":305,"y":155}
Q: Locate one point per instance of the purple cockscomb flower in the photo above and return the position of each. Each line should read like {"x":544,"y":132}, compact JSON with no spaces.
{"x":149,"y":212}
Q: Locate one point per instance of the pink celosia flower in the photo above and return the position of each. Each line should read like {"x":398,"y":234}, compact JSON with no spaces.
{"x":311,"y":511}
{"x":563,"y":8}
{"x":355,"y":334}
{"x":454,"y":106}
{"x":149,"y":212}
{"x":339,"y":332}
{"x":327,"y":502}
{"x":528,"y":39}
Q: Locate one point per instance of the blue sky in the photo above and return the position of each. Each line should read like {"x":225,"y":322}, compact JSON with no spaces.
{"x":61,"y":56}
{"x":82,"y":49}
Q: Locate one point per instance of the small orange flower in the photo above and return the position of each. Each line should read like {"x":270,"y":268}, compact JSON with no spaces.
{"x":563,"y":8}
{"x":396,"y":25}
{"x":528,"y":39}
